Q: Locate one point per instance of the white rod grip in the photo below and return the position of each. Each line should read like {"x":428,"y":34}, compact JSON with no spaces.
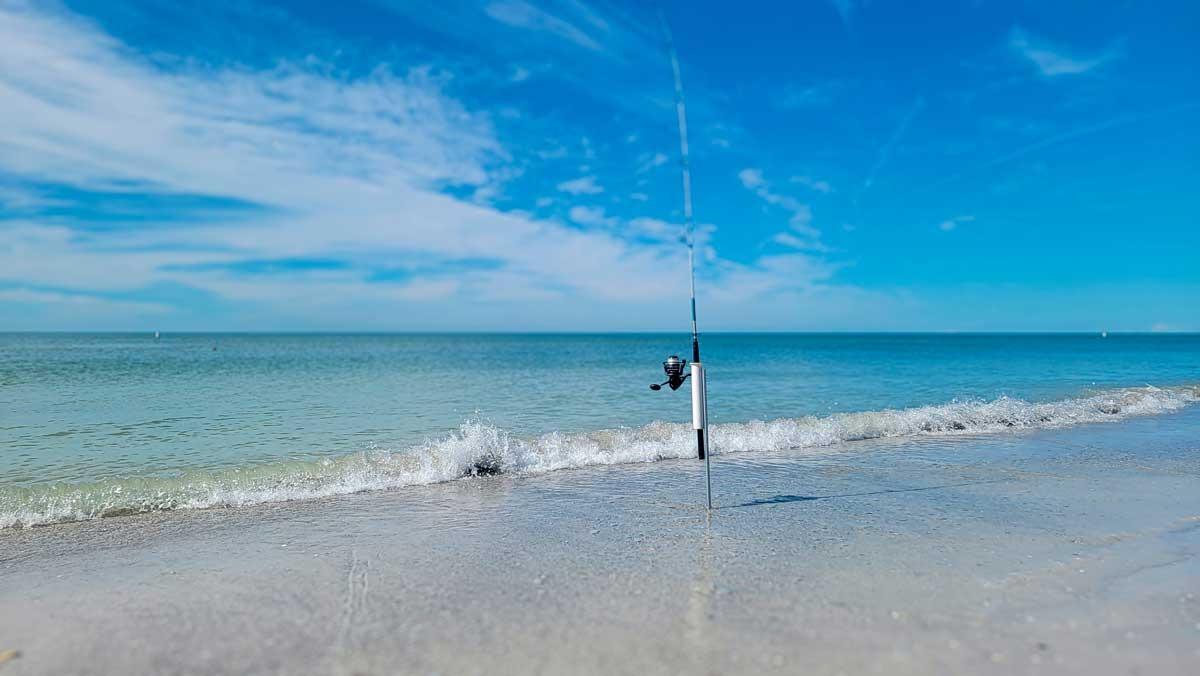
{"x":699,"y":397}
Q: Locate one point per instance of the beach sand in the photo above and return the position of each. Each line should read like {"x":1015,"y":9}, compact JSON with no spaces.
{"x":1054,"y":551}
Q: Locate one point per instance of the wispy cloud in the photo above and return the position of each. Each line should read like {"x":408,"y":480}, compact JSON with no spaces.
{"x":358,"y":171}
{"x":80,"y":301}
{"x":802,"y":235}
{"x":1066,"y":137}
{"x":952,"y":223}
{"x":823,"y":187}
{"x":820,"y":95}
{"x":649,"y":161}
{"x":1052,"y":60}
{"x":776,"y":276}
{"x":353,"y":166}
{"x":521,"y":14}
{"x":590,"y":216}
{"x":77,"y":109}
{"x":662,"y":231}
{"x":519,"y":74}
{"x":584,"y":185}
{"x":885,"y":151}
{"x":845,"y":10}
{"x":325,"y":151}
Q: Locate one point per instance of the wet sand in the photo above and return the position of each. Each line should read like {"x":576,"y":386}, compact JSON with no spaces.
{"x":1058,"y":551}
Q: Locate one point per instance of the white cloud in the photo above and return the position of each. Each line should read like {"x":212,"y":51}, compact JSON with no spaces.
{"x":819,"y":186}
{"x":803,"y":235}
{"x":953,"y":223}
{"x":351,"y":165}
{"x":751,"y":178}
{"x":591,"y":216}
{"x":642,"y":228}
{"x":79,"y":301}
{"x":1052,"y":61}
{"x":346,"y":168}
{"x":584,"y":185}
{"x":772,"y":276}
{"x":553,"y":153}
{"x":639,"y":197}
{"x":128,"y":121}
{"x":521,"y":14}
{"x":788,"y":239}
{"x":655,"y":229}
{"x":647,"y":162}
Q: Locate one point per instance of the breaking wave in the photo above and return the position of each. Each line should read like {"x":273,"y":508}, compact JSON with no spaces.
{"x":478,"y":448}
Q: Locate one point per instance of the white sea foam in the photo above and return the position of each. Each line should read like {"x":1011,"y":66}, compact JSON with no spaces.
{"x":480,"y":448}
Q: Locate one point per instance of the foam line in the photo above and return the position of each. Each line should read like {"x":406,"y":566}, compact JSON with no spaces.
{"x":479,"y":448}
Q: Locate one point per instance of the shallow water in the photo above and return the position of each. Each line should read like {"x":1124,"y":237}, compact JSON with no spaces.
{"x":108,"y":424}
{"x":1069,"y":550}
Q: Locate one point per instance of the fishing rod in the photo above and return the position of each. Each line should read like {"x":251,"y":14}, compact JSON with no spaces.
{"x":673,"y":366}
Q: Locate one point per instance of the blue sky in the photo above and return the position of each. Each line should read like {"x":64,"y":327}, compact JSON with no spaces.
{"x":513,"y":165}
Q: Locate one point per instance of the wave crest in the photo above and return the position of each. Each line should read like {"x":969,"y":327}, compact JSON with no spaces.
{"x":478,"y":448}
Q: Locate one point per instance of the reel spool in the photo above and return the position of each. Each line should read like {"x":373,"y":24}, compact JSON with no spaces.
{"x":673,"y":367}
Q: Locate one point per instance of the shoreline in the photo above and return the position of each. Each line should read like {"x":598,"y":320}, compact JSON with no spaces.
{"x":477,"y":446}
{"x":1070,"y":550}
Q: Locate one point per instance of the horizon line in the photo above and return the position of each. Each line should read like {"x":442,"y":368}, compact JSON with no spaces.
{"x":567,"y":332}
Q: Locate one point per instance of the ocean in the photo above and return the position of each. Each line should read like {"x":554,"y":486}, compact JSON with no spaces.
{"x":95,"y":425}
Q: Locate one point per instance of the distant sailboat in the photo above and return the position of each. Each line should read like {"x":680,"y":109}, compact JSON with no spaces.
{"x":156,"y":336}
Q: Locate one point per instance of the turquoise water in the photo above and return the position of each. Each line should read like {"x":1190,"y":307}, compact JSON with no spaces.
{"x":96,"y":424}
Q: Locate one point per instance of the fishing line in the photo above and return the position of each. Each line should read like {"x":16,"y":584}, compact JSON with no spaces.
{"x":689,"y":225}
{"x":673,"y":366}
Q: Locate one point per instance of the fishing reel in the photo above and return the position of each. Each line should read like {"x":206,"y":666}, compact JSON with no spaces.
{"x":673,"y":367}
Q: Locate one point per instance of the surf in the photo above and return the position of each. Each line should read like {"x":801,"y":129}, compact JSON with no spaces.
{"x":478,"y":448}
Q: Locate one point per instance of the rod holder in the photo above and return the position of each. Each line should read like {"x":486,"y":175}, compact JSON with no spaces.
{"x":699,"y":399}
{"x":700,"y":423}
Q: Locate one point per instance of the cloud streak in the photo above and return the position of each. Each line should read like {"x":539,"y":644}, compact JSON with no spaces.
{"x":584,"y":185}
{"x":885,"y":151}
{"x":521,"y":14}
{"x":951,"y":224}
{"x":1054,"y":61}
{"x":1066,"y":137}
{"x":802,"y":234}
{"x":360,"y":171}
